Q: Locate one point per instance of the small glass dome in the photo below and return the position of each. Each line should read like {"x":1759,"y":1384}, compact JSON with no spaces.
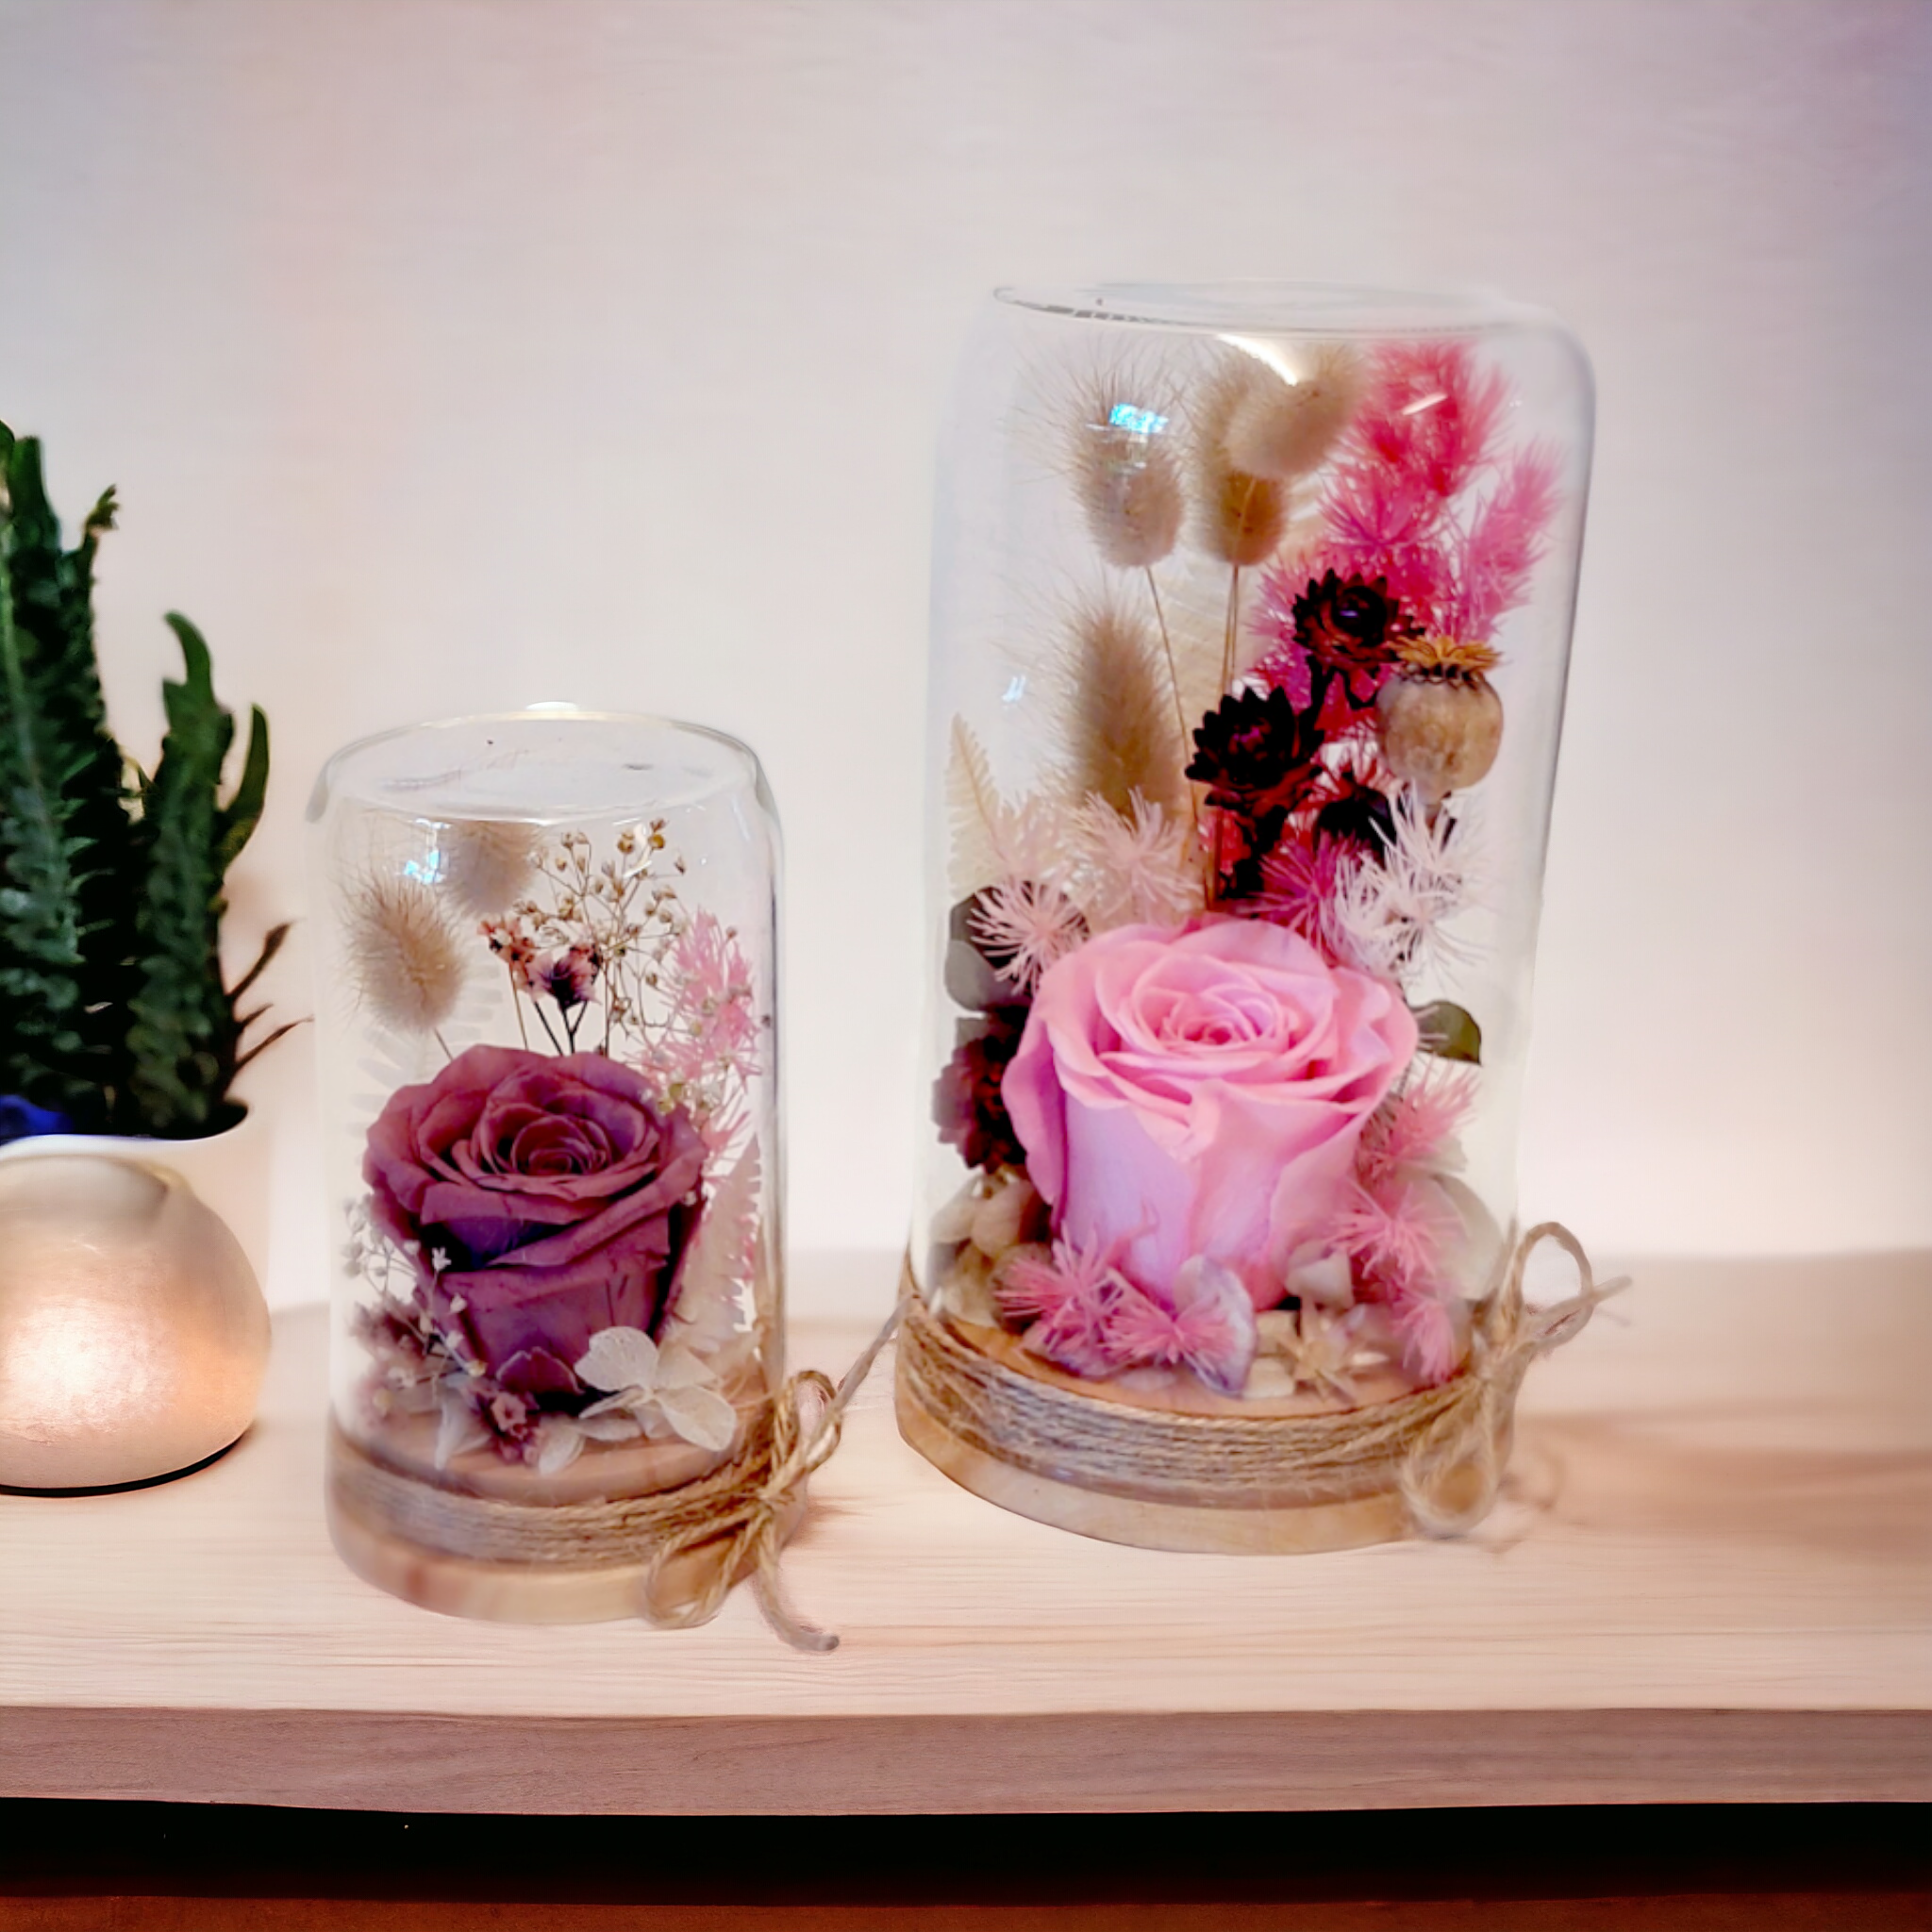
{"x":546,"y":1013}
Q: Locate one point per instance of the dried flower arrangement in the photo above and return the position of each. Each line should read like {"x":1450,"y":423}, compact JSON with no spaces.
{"x":118,"y":1018}
{"x":1213,"y":1125}
{"x":558,"y":1238}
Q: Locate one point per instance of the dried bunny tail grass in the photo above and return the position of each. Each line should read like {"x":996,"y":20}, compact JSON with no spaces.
{"x":1282,"y":427}
{"x":487,"y":864}
{"x":1120,"y":704}
{"x":1121,"y":457}
{"x":1241,"y":516}
{"x":405,"y":963}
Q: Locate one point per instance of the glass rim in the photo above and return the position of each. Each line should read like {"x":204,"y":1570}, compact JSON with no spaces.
{"x":329,"y":779}
{"x":1280,"y":308}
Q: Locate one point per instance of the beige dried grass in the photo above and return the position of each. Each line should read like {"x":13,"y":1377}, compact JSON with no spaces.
{"x":1121,"y":456}
{"x":406,"y":963}
{"x":1283,"y":428}
{"x":488,"y":863}
{"x":1120,"y":712}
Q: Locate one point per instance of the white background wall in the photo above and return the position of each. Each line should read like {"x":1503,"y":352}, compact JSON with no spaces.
{"x":455,"y":353}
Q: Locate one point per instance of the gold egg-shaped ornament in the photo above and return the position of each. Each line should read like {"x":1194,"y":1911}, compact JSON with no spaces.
{"x":133,"y":1333}
{"x":1440,"y":730}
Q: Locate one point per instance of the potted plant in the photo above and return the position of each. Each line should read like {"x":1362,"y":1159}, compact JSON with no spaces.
{"x":118,"y":1030}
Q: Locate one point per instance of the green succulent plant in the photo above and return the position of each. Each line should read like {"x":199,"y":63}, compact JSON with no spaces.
{"x":113,"y":1010}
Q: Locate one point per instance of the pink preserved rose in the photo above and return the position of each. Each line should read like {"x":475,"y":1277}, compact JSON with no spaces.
{"x":1201,"y":1092}
{"x":547,"y":1198}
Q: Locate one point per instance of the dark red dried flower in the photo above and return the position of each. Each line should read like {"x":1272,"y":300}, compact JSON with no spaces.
{"x":1355,"y":812}
{"x":1260,"y":758}
{"x":1349,"y":627}
{"x":1257,"y":754}
{"x":966,"y":1103}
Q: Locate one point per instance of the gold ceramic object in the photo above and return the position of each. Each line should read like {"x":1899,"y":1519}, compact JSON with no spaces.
{"x":133,"y":1333}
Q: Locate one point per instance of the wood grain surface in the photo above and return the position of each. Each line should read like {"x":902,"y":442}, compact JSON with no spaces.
{"x":1712,"y":1578}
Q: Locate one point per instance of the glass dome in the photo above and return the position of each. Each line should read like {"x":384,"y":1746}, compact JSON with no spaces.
{"x":1251,"y":615}
{"x":546,"y":1014}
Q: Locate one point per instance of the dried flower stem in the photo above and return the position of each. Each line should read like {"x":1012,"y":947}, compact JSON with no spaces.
{"x":516,"y":1001}
{"x":1234,"y":606}
{"x":1174,"y":678}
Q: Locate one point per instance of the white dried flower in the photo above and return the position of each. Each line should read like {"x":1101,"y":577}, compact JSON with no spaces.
{"x":1392,"y":910}
{"x":1136,"y":869}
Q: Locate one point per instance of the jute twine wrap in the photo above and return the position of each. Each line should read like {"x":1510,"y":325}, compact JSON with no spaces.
{"x":1441,"y":1449}
{"x":735,"y":1520}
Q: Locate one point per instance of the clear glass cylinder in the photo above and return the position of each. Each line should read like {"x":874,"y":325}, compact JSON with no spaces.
{"x":546,"y":992}
{"x":1251,"y":615}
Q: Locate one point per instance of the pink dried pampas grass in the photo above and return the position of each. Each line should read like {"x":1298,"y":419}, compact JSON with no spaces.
{"x":1397,"y":503}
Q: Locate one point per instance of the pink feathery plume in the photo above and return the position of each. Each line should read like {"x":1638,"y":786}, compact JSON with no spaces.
{"x":713,"y":1026}
{"x":1505,"y":541}
{"x":1412,"y":1130}
{"x":1426,"y":431}
{"x":1210,"y":1327}
{"x":1431,"y":415}
{"x":1282,"y":662}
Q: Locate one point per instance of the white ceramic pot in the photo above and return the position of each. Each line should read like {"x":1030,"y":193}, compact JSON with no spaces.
{"x":133,"y":1336}
{"x":227,"y":1172}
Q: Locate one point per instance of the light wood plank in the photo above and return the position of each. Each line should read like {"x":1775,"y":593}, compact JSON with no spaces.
{"x":1713,"y":1578}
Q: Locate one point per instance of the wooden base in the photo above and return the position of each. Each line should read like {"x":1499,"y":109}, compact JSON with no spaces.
{"x":506,"y":1592}
{"x":1379,"y":1517}
{"x":497,"y":1592}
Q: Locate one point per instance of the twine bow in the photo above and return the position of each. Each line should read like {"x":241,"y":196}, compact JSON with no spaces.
{"x":1460,"y":1448}
{"x":748,"y":1526}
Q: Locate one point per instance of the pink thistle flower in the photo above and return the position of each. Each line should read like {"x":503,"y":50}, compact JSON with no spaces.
{"x":1299,"y":887}
{"x":1140,"y":870}
{"x":1069,"y":1299}
{"x":1397,"y":1232}
{"x":1413,"y":1129}
{"x":1024,"y":927}
{"x":1210,"y":1328}
{"x":1030,"y":1289}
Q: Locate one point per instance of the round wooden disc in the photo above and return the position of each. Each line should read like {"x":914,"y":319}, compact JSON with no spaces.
{"x":1379,"y":1517}
{"x":508,"y":1592}
{"x":461,"y":1587}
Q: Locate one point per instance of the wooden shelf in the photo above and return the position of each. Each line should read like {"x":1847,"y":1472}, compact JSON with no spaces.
{"x":1712,"y":1581}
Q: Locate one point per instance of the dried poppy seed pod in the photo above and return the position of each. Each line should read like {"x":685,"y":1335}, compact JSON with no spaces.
{"x":1441,"y":719}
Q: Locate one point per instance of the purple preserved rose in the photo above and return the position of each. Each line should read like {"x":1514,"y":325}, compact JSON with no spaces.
{"x":548,"y":1197}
